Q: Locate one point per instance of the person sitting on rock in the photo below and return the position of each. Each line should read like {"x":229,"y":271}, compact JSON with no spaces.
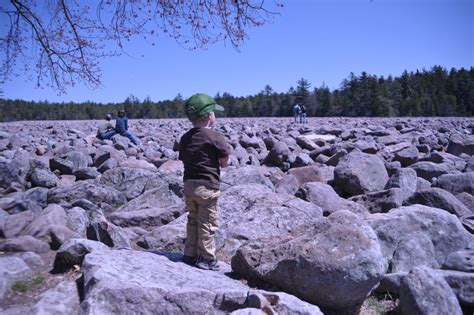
{"x":106,"y":129}
{"x":121,"y":127}
{"x":203,"y":152}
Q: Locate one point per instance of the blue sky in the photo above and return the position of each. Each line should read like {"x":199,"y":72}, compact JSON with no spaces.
{"x":319,"y":40}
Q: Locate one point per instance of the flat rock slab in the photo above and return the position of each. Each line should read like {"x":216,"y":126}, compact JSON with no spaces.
{"x":133,"y":282}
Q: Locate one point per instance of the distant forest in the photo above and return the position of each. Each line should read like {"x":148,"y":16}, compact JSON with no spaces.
{"x":436,"y":92}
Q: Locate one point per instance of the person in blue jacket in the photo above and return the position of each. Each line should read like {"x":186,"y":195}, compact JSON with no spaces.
{"x":121,"y":127}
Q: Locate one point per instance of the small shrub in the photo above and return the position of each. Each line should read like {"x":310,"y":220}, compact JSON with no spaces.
{"x":25,"y":286}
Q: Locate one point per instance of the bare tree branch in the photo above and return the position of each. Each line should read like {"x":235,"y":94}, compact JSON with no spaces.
{"x":61,"y":42}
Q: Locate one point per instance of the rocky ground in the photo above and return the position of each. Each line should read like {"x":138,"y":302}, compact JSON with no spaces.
{"x":337,"y":216}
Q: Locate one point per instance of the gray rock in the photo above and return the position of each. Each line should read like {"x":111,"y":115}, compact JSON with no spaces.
{"x":443,"y":229}
{"x":132,"y":181}
{"x":33,"y":199}
{"x":253,"y":142}
{"x":430,"y":170}
{"x":25,"y":243}
{"x":13,"y":225}
{"x":312,"y":173}
{"x":78,"y":159}
{"x":77,"y":221}
{"x":169,"y":238}
{"x":381,"y":201}
{"x":64,"y":166}
{"x":302,"y":159}
{"x":467,"y":199}
{"x":423,"y":291}
{"x":323,"y":196}
{"x":62,"y":299}
{"x":94,"y":192}
{"x":108,"y":165}
{"x":358,"y":173}
{"x":60,"y":234}
{"x":306,"y":143}
{"x":14,"y":171}
{"x":407,"y":156}
{"x":12,"y":269}
{"x":288,"y":184}
{"x":101,"y":156}
{"x":318,"y":262}
{"x":405,"y":179}
{"x":422,"y":183}
{"x":83,"y":173}
{"x":43,"y":178}
{"x":147,"y":218}
{"x":32,"y":259}
{"x":249,"y":212}
{"x":159,"y":198}
{"x":336,"y":157}
{"x":462,"y":260}
{"x":73,"y":252}
{"x":108,"y":233}
{"x":278,"y":154}
{"x":456,"y":183}
{"x":145,"y":282}
{"x":416,"y":250}
{"x":438,"y":198}
{"x":462,"y":283}
{"x":244,"y":175}
{"x":461,"y":144}
{"x":53,"y":214}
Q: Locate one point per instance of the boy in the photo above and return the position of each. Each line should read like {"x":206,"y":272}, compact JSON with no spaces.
{"x":203,"y":152}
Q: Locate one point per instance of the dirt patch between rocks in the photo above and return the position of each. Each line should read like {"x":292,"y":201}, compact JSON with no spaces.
{"x":27,"y":293}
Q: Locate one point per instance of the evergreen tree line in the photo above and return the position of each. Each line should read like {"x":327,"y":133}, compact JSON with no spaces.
{"x":436,"y":92}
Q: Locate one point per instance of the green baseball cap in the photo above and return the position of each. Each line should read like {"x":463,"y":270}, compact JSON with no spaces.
{"x":199,"y":105}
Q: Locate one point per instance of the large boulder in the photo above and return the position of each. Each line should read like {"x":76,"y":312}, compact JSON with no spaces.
{"x":429,"y":170}
{"x":158,"y":198}
{"x":12,"y":269}
{"x":407,"y":156}
{"x":132,"y":181}
{"x":244,"y":175}
{"x":405,"y":179}
{"x":324,"y":196}
{"x":25,"y":243}
{"x":250,"y":212}
{"x":92,"y":191}
{"x":278,"y":154}
{"x":140,"y":282}
{"x":381,"y":201}
{"x":423,"y":291}
{"x":73,"y":252}
{"x":456,"y":183}
{"x":358,"y":173}
{"x":33,"y":199}
{"x":416,"y":223}
{"x":62,"y":299}
{"x":439,"y":198}
{"x":13,"y":225}
{"x":461,"y":144}
{"x":333,"y":262}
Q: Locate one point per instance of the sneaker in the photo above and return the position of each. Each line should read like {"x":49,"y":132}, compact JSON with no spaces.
{"x":189,"y":260}
{"x":207,"y":264}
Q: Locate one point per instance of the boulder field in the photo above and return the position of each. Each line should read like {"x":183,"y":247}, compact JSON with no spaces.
{"x":315,"y":218}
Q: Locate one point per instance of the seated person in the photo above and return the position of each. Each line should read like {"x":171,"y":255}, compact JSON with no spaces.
{"x":121,"y":127}
{"x":106,"y":129}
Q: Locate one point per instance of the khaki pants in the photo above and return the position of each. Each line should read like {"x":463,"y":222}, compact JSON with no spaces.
{"x":203,"y":220}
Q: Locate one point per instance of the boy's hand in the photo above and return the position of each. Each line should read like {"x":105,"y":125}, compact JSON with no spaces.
{"x":224,"y":161}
